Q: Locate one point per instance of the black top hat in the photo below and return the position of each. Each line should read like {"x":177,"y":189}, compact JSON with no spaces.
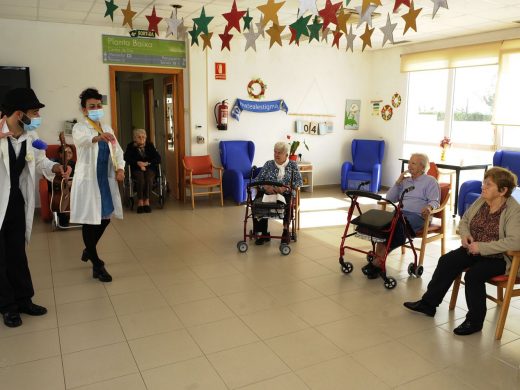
{"x":21,"y":99}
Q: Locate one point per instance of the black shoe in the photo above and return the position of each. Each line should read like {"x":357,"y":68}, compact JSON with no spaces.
{"x":12,"y":319}
{"x":367,"y":269}
{"x":140,"y":209}
{"x":421,"y":307}
{"x":101,"y":274}
{"x":84,"y":256}
{"x":467,"y":328}
{"x":147,"y":209}
{"x":32,"y":309}
{"x":286,"y":238}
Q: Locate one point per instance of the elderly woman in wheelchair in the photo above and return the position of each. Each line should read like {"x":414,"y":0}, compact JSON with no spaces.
{"x":143,"y":160}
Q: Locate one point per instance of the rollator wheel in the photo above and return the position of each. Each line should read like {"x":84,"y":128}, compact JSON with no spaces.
{"x":285,"y":249}
{"x":411,"y":269}
{"x":242,"y":246}
{"x":419,"y":271}
{"x":370,"y":257}
{"x":347,"y":267}
{"x":390,"y":283}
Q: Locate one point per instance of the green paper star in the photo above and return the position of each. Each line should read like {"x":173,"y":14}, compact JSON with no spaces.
{"x":194,"y":33}
{"x":315,"y":29}
{"x":300,"y":26}
{"x":202,"y":22}
{"x":111,"y":7}
{"x":247,"y":20}
{"x":347,"y":2}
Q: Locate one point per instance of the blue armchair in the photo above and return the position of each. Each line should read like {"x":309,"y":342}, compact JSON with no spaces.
{"x":367,"y":156}
{"x":237,"y":159}
{"x":471,"y":189}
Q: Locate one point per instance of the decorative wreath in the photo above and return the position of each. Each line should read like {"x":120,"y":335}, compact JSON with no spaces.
{"x":251,"y":90}
{"x":396,"y":100}
{"x":387,"y":112}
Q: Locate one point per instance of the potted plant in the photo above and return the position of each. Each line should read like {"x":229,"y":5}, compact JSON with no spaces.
{"x":293,"y":147}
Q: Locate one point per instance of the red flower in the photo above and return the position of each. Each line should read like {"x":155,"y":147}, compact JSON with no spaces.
{"x":445,"y":142}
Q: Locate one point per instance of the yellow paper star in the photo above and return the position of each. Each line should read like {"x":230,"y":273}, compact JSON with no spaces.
{"x":128,"y":15}
{"x":366,"y":37}
{"x":410,"y":18}
{"x":275,"y":32}
{"x":366,"y":3}
{"x":270,"y":11}
{"x":342,"y":21}
{"x":206,"y":38}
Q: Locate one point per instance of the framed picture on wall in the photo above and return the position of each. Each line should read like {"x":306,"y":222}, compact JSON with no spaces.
{"x":352,"y":114}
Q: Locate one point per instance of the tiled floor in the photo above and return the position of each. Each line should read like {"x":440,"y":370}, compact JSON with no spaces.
{"x":187,"y":311}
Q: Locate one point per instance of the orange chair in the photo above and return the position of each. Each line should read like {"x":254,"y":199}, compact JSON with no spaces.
{"x":198,"y":171}
{"x":501,"y":282}
{"x":43,"y":185}
{"x":436,"y":173}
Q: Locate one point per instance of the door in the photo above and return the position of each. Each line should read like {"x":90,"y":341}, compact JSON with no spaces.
{"x":170,"y":142}
{"x":149,"y":109}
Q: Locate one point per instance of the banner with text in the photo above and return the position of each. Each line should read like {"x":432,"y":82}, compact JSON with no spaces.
{"x":254,"y":106}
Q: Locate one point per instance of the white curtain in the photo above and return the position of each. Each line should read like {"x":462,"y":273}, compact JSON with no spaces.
{"x":507,"y":97}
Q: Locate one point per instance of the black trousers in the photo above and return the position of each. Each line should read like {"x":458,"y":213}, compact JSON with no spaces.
{"x":15,"y":278}
{"x":260,"y":225}
{"x":91,"y":236}
{"x":143,"y":183}
{"x":480,"y":269}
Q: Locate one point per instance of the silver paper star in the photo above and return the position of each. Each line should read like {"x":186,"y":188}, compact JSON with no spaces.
{"x":173,"y":25}
{"x":388,"y":30}
{"x":251,"y":38}
{"x":437,"y":4}
{"x":367,"y":16}
{"x":260,"y":27}
{"x":307,"y":5}
{"x":350,"y":40}
{"x":182,"y":30}
{"x":325,"y":35}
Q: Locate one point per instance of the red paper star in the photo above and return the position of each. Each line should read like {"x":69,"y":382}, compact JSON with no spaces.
{"x":337,"y":36}
{"x":293,"y":37}
{"x":328,"y":14}
{"x":398,"y":4}
{"x":153,"y":21}
{"x":233,"y":17}
{"x":226,"y":38}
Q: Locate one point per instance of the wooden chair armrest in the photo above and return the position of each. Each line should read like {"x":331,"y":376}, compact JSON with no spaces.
{"x":513,"y":253}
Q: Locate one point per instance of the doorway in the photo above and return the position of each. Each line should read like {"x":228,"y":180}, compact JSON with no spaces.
{"x":153,"y":99}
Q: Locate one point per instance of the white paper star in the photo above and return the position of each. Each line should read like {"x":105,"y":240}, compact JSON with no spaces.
{"x":182,"y":30}
{"x":367,"y":16}
{"x":388,"y":30}
{"x":260,"y":27}
{"x":251,"y":38}
{"x":437,"y":4}
{"x":307,"y":5}
{"x":173,"y":25}
{"x":325,"y":35}
{"x":350,"y":39}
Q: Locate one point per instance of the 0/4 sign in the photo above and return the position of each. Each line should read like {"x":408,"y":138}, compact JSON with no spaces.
{"x":310,"y":127}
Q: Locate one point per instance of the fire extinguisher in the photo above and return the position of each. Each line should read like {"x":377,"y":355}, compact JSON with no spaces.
{"x":221,"y":111}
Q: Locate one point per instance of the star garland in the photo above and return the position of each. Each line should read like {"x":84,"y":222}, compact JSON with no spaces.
{"x":111,"y":7}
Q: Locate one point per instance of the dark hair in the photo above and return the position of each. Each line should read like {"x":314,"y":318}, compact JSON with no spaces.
{"x":89,"y":93}
{"x":7,"y":111}
{"x":503,"y":178}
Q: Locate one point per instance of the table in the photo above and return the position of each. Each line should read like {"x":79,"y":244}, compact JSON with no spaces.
{"x":454,"y":167}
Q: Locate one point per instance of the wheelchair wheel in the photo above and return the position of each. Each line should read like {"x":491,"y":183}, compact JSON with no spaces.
{"x":161,"y":201}
{"x":415,"y":271}
{"x":390,"y":283}
{"x":346,"y":267}
{"x":54,"y":224}
{"x":285,"y":249}
{"x":242,"y":246}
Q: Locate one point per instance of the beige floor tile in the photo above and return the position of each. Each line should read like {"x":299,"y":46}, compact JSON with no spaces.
{"x":437,"y":380}
{"x":333,"y":283}
{"x":28,"y":347}
{"x":149,"y":322}
{"x":221,"y":335}
{"x":87,"y":335}
{"x":288,"y":293}
{"x":207,"y":271}
{"x":163,"y":279}
{"x":274,"y":322}
{"x":191,"y":374}
{"x":84,"y":311}
{"x":186,"y":292}
{"x":247,"y":364}
{"x":250,"y":301}
{"x":135,"y":302}
{"x":98,"y":364}
{"x":126,"y":284}
{"x":32,"y":323}
{"x":73,"y":276}
{"x":128,"y":382}
{"x":319,"y":311}
{"x":79,"y":292}
{"x":162,"y":349}
{"x":44,"y":374}
{"x":230,"y":284}
{"x":282,"y":382}
{"x":203,"y":311}
{"x":338,"y":374}
{"x":303,"y":348}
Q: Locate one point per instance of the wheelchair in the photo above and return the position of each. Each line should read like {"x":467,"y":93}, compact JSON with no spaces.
{"x":159,"y":188}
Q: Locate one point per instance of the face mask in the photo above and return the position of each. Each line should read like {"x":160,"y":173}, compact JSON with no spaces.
{"x":96,"y":115}
{"x":30,"y":124}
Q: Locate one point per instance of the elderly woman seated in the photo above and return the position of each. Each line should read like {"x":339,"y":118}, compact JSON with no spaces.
{"x":143,"y":159}
{"x":417,"y":205}
{"x":281,"y":170}
{"x":490,"y":227}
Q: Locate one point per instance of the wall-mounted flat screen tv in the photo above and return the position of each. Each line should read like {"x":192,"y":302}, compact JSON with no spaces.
{"x":13,"y":77}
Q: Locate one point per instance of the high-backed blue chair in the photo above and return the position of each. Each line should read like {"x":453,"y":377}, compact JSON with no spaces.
{"x":471,"y":189}
{"x":237,"y":160}
{"x":367,"y":157}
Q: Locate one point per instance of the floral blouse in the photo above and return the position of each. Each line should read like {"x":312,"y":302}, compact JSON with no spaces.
{"x":269,"y":172}
{"x":484,"y":226}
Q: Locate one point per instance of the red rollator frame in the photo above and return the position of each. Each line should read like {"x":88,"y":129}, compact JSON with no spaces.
{"x":376,"y":226}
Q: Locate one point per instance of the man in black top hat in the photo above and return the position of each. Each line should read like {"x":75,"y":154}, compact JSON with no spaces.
{"x":19,"y":161}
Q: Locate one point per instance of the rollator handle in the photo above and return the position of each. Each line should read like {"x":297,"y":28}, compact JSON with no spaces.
{"x":363,"y":183}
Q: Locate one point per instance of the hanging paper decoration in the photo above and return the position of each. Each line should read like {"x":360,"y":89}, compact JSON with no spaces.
{"x":225,"y":38}
{"x":376,"y":105}
{"x":366,"y":37}
{"x":182,"y":30}
{"x":388,"y":30}
{"x":111,"y":7}
{"x":293,"y":37}
{"x":194,"y":33}
{"x":206,"y":39}
{"x":437,"y":4}
{"x":328,"y":14}
{"x":261,"y":89}
{"x":275,"y":32}
{"x":365,"y":17}
{"x":410,"y":18}
{"x":233,"y":17}
{"x":270,"y":11}
{"x":337,"y":35}
{"x":254,"y":106}
{"x":251,"y":38}
{"x":153,"y":21}
{"x":387,"y":112}
{"x":325,"y":35}
{"x":128,"y":15}
{"x":247,"y":20}
{"x":342,"y":21}
{"x":173,"y":24}
{"x":396,"y":100}
{"x":314,"y":29}
{"x":366,"y":4}
{"x":307,"y":5}
{"x":260,"y":27}
{"x":300,"y":27}
{"x":203,"y":21}
{"x":398,"y":3}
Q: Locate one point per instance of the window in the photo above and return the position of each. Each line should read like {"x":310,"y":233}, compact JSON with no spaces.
{"x":511,"y":136}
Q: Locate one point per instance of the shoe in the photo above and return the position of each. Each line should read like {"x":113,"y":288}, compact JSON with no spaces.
{"x":101,"y":274}
{"x":32,"y":309}
{"x":286,"y":238}
{"x":84,"y":256}
{"x":12,"y":319}
{"x":147,"y":209}
{"x":421,"y":307}
{"x":140,"y":209}
{"x":467,"y":328}
{"x":369,"y":268}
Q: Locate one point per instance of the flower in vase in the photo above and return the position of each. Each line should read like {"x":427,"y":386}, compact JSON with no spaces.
{"x":293,"y":145}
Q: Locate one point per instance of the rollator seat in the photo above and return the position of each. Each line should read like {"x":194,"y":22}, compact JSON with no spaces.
{"x":262,"y":209}
{"x":374,"y":219}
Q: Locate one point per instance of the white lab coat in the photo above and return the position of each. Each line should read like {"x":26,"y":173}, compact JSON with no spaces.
{"x":85,"y":198}
{"x":36,"y":162}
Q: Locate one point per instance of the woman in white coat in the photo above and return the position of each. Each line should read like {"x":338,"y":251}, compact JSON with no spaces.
{"x":100,"y":165}
{"x":19,"y":162}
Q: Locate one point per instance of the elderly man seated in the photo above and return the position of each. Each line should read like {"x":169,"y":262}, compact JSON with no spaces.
{"x":417,"y":205}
